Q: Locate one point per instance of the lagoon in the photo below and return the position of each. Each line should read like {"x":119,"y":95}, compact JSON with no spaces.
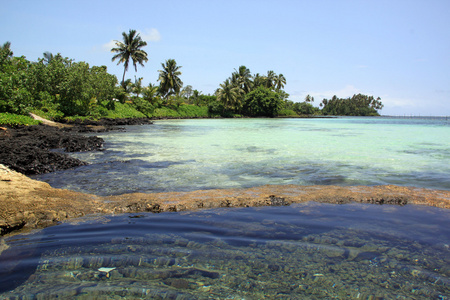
{"x":187,"y":155}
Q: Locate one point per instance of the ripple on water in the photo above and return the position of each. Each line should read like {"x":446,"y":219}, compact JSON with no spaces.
{"x":308,"y":251}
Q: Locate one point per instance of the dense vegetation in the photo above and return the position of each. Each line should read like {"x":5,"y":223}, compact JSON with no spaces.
{"x":358,"y":105}
{"x":57,"y":87}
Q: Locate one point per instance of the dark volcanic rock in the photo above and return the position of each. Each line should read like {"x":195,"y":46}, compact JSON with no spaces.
{"x":27,"y":149}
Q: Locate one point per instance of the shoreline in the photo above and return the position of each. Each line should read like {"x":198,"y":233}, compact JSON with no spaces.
{"x":30,"y":204}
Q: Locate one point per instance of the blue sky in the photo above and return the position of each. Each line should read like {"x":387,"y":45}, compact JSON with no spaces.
{"x":397,"y":50}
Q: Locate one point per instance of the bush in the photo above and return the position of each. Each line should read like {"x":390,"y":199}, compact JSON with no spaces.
{"x":287,"y":113}
{"x":262,"y":102}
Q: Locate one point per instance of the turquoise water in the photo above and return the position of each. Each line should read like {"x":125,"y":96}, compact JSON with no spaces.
{"x":186,"y":155}
{"x":302,"y":251}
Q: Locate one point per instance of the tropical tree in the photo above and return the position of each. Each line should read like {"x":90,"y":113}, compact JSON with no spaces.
{"x":170,"y":82}
{"x":6,"y":51}
{"x":150,"y":92}
{"x":270,"y":79}
{"x":137,"y":87}
{"x":279,"y":81}
{"x":228,"y":94}
{"x":258,"y":80}
{"x":48,"y":56}
{"x":187,"y":92}
{"x":262,"y":102}
{"x":130,"y":48}
{"x":243,"y":78}
{"x":309,"y":99}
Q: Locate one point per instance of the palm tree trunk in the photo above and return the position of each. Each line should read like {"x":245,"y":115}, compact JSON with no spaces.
{"x":123,"y":78}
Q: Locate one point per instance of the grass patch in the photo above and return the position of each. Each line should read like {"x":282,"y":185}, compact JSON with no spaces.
{"x":183,"y":111}
{"x":14,"y":120}
{"x":124,"y":111}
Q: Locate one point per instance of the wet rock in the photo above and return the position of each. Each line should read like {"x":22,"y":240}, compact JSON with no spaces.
{"x":277,"y":201}
{"x":366,"y":256}
{"x":27,"y":149}
{"x":178,"y":283}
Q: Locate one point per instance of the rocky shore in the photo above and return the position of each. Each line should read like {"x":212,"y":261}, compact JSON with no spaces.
{"x":28,"y":204}
{"x":42,"y":149}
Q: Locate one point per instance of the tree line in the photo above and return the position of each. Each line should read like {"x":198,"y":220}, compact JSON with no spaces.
{"x":61,"y":87}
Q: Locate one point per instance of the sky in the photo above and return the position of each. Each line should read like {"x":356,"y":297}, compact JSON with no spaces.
{"x":396,"y":50}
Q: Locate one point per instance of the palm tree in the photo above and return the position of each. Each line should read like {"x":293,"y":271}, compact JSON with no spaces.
{"x":150,"y":92}
{"x":309,"y":99}
{"x":48,"y":57}
{"x":137,"y":87}
{"x":258,"y":80}
{"x":280,"y":81}
{"x":270,"y":78}
{"x":131,"y":48}
{"x":243,"y":78}
{"x":170,"y":83}
{"x":228,"y":94}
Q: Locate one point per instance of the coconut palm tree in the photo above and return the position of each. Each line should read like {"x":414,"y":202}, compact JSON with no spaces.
{"x":48,"y":57}
{"x":258,"y":80}
{"x":280,"y":81}
{"x":243,"y":78}
{"x":170,"y":83}
{"x":130,"y":48}
{"x":228,"y":94}
{"x":137,"y":87}
{"x":270,"y":78}
{"x":309,"y":99}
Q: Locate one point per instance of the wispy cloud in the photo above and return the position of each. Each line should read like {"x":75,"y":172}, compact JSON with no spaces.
{"x":150,"y":35}
{"x":109,"y":45}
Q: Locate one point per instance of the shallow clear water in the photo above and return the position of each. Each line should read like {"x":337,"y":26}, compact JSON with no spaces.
{"x":302,"y":251}
{"x":186,"y":155}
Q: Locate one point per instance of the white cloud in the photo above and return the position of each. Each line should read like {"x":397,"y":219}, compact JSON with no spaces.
{"x":150,"y":35}
{"x":109,"y":45}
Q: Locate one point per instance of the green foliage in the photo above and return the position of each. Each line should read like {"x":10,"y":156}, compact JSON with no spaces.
{"x":234,"y":93}
{"x":262,"y":102}
{"x":183,"y":111}
{"x":143,"y":106}
{"x":14,"y":120}
{"x":124,"y":110}
{"x":357,"y":105}
{"x":217,"y":109}
{"x":15,"y":96}
{"x":287,"y":113}
{"x":57,"y":86}
{"x":304,"y":108}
